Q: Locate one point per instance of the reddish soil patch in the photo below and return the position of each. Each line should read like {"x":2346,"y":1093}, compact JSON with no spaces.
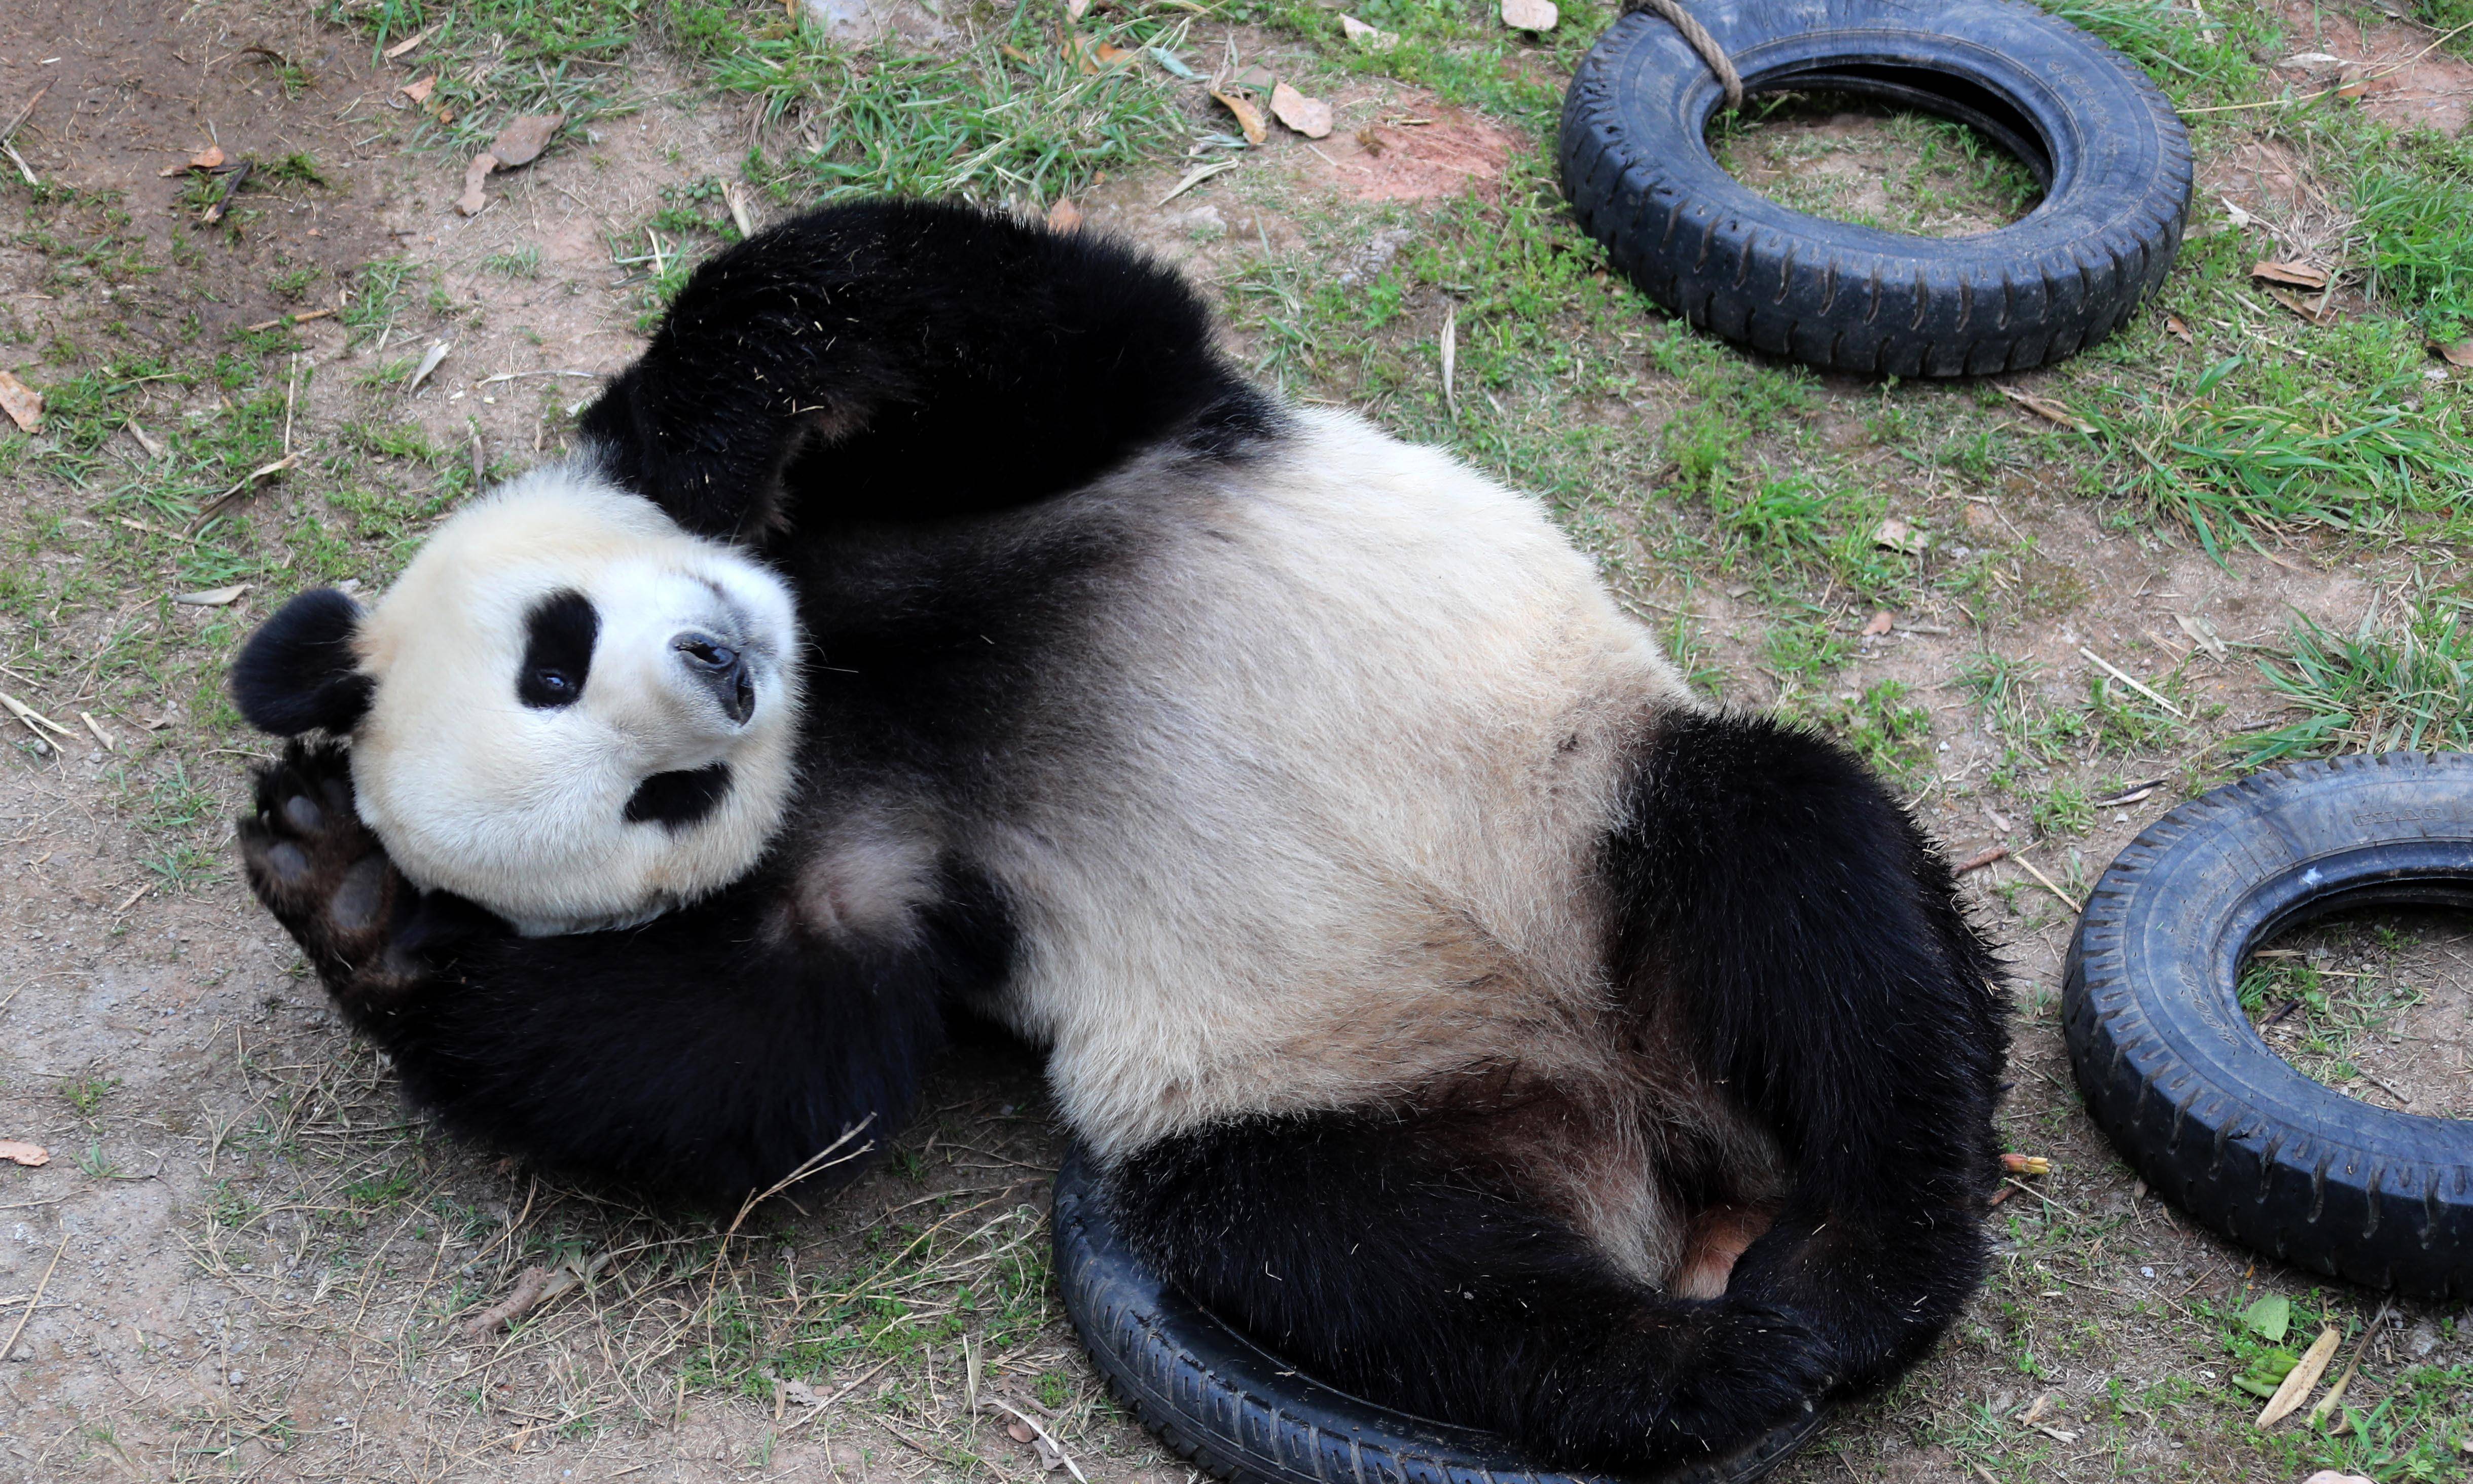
{"x":1418,"y":156}
{"x":2406,"y":81}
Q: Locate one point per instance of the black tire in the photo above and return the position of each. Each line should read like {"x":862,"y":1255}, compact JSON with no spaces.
{"x":1236,"y":1411}
{"x":2174,"y":1072}
{"x":2111,"y":155}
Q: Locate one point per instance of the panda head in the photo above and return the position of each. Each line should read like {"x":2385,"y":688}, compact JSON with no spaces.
{"x":566,"y":708}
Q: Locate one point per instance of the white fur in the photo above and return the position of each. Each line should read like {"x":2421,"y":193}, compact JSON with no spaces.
{"x":1375,"y":711}
{"x":522,"y":808}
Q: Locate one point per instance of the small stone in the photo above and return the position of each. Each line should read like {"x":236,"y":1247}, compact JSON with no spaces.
{"x":1530,"y":14}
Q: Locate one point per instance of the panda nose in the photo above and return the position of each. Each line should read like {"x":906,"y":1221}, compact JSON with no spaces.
{"x":720,"y":667}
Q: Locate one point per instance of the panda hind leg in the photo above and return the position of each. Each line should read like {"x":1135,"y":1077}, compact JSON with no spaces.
{"x":328,"y":881}
{"x":1373,"y":1251}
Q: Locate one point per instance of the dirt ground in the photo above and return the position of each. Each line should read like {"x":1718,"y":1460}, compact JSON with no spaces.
{"x":245,"y":1261}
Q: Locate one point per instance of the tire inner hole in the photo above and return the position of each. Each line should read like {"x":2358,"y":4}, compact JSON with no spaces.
{"x":2373,"y":1001}
{"x":1873,"y":159}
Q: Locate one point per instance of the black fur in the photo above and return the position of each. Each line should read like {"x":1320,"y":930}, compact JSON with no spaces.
{"x":705,"y":1054}
{"x":1815,"y":941}
{"x":298,"y":672}
{"x":910,"y":361}
{"x":558,"y":634}
{"x":1829,"y":979}
{"x":680,"y":798}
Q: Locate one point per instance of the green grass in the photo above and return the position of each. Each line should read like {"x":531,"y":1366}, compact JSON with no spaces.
{"x":2417,"y":236}
{"x":2404,"y":685}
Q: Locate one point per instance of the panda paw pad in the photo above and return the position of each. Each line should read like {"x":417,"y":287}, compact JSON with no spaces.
{"x":325,"y":876}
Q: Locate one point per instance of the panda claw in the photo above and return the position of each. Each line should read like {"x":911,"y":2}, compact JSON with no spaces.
{"x":327,"y":878}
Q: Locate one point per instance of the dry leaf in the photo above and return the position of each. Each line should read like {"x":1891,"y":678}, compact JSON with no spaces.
{"x":23,"y":404}
{"x":406,"y":45}
{"x":1065,"y":216}
{"x":1114,"y":56}
{"x":418,"y":92}
{"x":1195,"y":177}
{"x":2320,"y":313}
{"x":734,"y":195}
{"x":2203,"y":633}
{"x":1248,"y":116}
{"x":211,"y":158}
{"x":2299,"y":274}
{"x":470,"y":202}
{"x":1016,"y":53}
{"x":1881,"y":623}
{"x":522,"y":142}
{"x":1373,"y":38}
{"x":1074,"y":9}
{"x":429,"y":361}
{"x":24,"y":1153}
{"x":2298,"y":1385}
{"x":1897,"y":535}
{"x":2460,"y":353}
{"x":1530,"y":14}
{"x":1307,"y":117}
{"x":2046,"y":407}
{"x":2175,"y":326}
{"x":2233,"y":209}
{"x":212,"y":597}
{"x":1020,"y":1431}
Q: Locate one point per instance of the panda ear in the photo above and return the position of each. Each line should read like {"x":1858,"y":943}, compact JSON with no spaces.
{"x":298,"y":672}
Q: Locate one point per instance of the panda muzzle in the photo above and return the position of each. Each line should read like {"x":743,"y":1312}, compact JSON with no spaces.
{"x":720,"y":667}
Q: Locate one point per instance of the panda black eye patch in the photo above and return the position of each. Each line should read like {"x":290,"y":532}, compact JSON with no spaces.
{"x":558,"y":650}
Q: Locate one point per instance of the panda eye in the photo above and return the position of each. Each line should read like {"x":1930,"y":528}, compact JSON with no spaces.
{"x":553,"y":681}
{"x":557,"y":651}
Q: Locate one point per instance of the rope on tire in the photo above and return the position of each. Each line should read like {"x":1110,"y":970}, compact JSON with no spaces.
{"x":1683,"y":21}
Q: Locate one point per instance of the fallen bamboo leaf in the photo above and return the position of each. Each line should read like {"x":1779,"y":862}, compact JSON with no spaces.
{"x":2299,"y":274}
{"x":1173,"y":64}
{"x":1065,"y":216}
{"x":234,"y":175}
{"x":1451,"y":354}
{"x":1248,"y":117}
{"x":2204,"y":632}
{"x":418,"y":92}
{"x":734,"y":195}
{"x":1530,"y":14}
{"x":100,"y":735}
{"x":18,"y":1151}
{"x":2460,"y":353}
{"x":154,"y":449}
{"x":429,"y":363}
{"x":1374,"y":38}
{"x":2047,"y":884}
{"x":2336,"y":1393}
{"x":1307,"y":117}
{"x":2130,"y":681}
{"x":2297,"y":1384}
{"x":2135,"y":794}
{"x":23,"y":404}
{"x":1880,"y":624}
{"x":1195,"y":177}
{"x":1051,"y":1453}
{"x":406,"y":45}
{"x":2320,"y":313}
{"x":2179,"y":329}
{"x":522,"y":142}
{"x":35,"y":720}
{"x":2046,"y":408}
{"x":2240,"y":217}
{"x":212,"y":597}
{"x":287,"y":320}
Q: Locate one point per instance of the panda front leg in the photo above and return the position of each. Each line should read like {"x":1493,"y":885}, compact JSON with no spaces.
{"x":1375,"y":1251}
{"x":707,"y":1053}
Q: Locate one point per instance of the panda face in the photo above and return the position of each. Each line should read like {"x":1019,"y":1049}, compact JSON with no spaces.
{"x":581,"y":714}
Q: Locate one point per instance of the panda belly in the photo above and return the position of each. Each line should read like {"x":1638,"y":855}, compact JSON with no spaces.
{"x":1365,"y":726}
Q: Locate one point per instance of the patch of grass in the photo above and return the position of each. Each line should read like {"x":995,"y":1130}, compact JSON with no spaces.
{"x":522,"y":262}
{"x":1013,"y":115}
{"x":377,"y":299}
{"x":2416,"y":234}
{"x":1941,"y":177}
{"x":2402,"y":686}
{"x":87,"y":1091}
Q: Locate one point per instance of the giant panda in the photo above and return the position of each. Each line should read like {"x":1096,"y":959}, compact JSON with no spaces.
{"x":1446,"y":995}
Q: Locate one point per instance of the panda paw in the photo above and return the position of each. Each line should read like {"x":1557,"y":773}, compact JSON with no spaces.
{"x":327,"y":878}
